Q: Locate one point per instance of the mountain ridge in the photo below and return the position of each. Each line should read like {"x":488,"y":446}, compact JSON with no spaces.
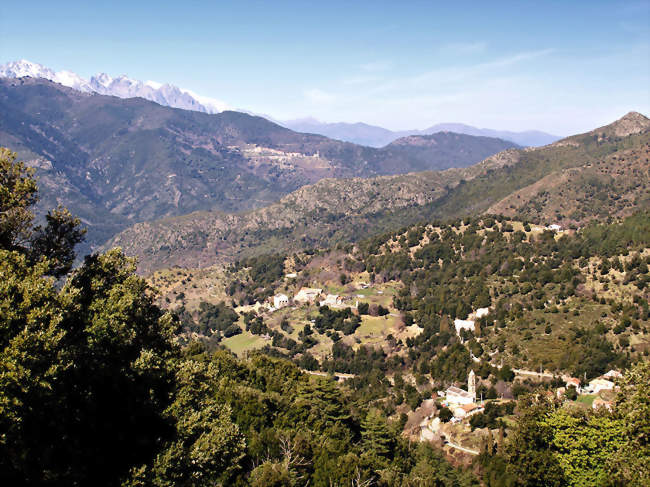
{"x":121,"y":86}
{"x":124,"y":160}
{"x":313,"y":216}
{"x":375,"y":136}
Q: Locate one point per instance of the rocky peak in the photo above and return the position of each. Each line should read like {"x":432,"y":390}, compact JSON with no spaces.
{"x":630,"y":124}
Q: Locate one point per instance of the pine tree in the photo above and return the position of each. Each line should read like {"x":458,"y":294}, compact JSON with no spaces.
{"x":444,"y":324}
{"x":321,"y":400}
{"x":376,"y":434}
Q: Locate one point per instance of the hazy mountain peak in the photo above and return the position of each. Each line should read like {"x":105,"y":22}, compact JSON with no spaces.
{"x":374,"y":136}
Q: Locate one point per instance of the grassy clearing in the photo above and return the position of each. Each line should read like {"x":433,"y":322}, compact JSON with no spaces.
{"x":375,"y":329}
{"x":586,"y":399}
{"x":243,"y":342}
{"x":375,"y":325}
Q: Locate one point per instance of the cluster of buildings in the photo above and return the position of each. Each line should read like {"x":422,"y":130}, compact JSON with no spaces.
{"x":307,"y":295}
{"x":603,"y":383}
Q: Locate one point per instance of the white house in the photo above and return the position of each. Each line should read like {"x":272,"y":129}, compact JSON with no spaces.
{"x":600,"y":384}
{"x":456,"y":395}
{"x":555,"y":227}
{"x":481,"y":312}
{"x":307,"y":295}
{"x":463,"y":325}
{"x":466,"y":410}
{"x":280,"y":301}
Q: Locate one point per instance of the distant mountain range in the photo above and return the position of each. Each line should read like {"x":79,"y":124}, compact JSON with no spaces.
{"x":115,"y":161}
{"x":373,"y":136}
{"x":172,"y":96}
{"x":122,"y":87}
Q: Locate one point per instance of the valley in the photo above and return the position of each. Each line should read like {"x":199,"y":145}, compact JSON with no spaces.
{"x":283,"y":305}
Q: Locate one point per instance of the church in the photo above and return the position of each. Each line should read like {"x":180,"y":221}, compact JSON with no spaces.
{"x":456,"y":395}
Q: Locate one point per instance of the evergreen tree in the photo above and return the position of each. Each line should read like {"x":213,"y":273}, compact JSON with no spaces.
{"x":376,"y":434}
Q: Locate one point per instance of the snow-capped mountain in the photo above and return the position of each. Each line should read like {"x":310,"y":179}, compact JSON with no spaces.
{"x":122,"y":86}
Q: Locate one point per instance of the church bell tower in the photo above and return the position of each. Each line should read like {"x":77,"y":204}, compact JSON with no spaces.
{"x":471,"y":384}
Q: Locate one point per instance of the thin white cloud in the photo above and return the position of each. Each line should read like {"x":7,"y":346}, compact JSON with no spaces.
{"x":316,"y":95}
{"x":445,"y":77}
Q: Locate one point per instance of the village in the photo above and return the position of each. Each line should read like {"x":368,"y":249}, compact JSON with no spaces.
{"x":260,"y":156}
{"x":445,"y":418}
{"x":454,"y":429}
{"x":457,"y":416}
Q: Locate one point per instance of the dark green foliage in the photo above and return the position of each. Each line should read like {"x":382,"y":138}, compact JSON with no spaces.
{"x":215,"y":317}
{"x":530,"y":460}
{"x":54,"y":242}
{"x":342,"y":320}
{"x":445,"y":414}
{"x":363,"y":308}
{"x":489,"y":417}
{"x":262,"y":274}
{"x":263,"y":270}
{"x":571,"y":393}
{"x":89,"y":375}
{"x":334,"y":442}
{"x":452,"y":364}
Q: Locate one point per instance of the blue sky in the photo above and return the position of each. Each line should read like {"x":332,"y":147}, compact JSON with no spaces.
{"x":562,"y":67}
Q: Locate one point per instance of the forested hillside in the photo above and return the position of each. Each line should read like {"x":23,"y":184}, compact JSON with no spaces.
{"x":559,"y":305}
{"x":95,"y":389}
{"x":567,"y":302}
